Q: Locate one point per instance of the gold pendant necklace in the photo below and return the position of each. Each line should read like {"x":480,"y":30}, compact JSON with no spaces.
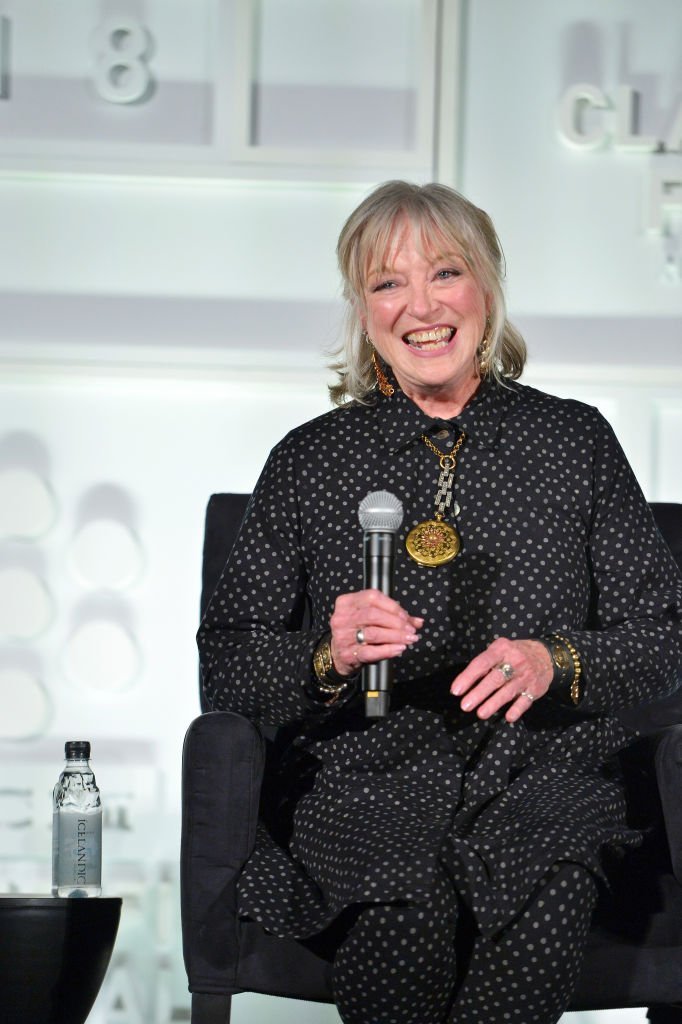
{"x":435,"y":542}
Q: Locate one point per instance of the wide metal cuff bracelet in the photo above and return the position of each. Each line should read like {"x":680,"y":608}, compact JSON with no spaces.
{"x":566,"y":667}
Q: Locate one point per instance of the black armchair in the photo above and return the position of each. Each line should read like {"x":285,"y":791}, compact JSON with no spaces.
{"x":634,"y":953}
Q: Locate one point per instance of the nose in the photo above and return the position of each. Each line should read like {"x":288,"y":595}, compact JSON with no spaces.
{"x":421,"y":303}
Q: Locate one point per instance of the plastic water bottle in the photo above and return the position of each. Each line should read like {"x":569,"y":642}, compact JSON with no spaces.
{"x":76,"y":827}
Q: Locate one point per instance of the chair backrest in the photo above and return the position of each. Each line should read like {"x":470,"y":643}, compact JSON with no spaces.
{"x":224,"y":514}
{"x":668,"y":516}
{"x":651,"y":718}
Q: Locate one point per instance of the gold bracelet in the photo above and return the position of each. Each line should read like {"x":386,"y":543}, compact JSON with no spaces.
{"x":328,"y":682}
{"x":577,"y":668}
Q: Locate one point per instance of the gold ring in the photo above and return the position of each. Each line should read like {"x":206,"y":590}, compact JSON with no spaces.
{"x":507,"y":670}
{"x":527,"y":694}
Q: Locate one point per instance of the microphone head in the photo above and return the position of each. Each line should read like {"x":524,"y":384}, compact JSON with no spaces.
{"x":380,"y":512}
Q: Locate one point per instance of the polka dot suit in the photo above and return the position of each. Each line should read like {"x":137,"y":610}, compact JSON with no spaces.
{"x":432,"y":810}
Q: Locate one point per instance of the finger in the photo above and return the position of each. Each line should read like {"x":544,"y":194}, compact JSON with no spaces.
{"x":519,"y":701}
{"x":403,"y":633}
{"x":350,"y":661}
{"x":499,"y":651}
{"x":520,"y":706}
{"x":375,"y":626}
{"x":371,"y":598}
{"x":375,"y":616}
{"x":479,"y":668}
{"x":500,"y":698}
{"x":492,"y":685}
{"x":379,"y":644}
{"x":368,"y":601}
{"x":373,"y":643}
{"x":377,"y":652}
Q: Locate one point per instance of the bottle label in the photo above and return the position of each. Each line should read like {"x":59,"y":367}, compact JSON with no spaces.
{"x":78,"y":849}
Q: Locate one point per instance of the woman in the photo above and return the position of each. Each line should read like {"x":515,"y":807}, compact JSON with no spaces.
{"x":447,"y":854}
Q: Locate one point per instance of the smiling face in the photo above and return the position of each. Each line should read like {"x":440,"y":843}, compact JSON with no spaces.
{"x":425,"y":314}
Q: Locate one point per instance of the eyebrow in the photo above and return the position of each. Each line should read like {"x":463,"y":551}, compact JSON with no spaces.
{"x":379,"y":271}
{"x":456,"y":257}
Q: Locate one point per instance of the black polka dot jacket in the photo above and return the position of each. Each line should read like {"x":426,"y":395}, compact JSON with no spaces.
{"x":556,"y":536}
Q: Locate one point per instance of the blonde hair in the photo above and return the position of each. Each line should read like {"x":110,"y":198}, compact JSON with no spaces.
{"x":439,"y":217}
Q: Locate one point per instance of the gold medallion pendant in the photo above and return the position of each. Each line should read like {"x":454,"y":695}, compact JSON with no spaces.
{"x":433,"y":542}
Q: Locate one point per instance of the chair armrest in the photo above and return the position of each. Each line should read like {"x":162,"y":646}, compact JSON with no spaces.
{"x":222,"y":770}
{"x":669,"y":776}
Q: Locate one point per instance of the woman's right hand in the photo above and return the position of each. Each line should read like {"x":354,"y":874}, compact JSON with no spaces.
{"x":385,"y":628}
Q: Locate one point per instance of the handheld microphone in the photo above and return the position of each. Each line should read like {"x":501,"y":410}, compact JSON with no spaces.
{"x":380,"y":515}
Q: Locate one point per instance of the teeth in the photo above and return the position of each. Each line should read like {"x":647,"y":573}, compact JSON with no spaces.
{"x":438,"y":334}
{"x":427,"y":346}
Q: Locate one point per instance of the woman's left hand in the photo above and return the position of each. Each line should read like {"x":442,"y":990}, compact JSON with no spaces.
{"x":508,"y":672}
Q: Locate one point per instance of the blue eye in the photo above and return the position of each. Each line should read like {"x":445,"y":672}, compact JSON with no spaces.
{"x":383,"y":285}
{"x":448,"y":272}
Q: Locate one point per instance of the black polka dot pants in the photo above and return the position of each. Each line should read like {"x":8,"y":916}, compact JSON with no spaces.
{"x":398,"y":965}
{"x":527,"y":975}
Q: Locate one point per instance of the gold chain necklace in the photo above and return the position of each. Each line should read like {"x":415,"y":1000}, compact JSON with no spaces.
{"x":435,"y":542}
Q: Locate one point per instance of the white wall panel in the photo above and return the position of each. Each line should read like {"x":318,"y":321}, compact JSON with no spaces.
{"x":148,"y":321}
{"x":208,"y":89}
{"x":667,"y":448}
{"x":573,"y":224}
{"x":94,"y":236}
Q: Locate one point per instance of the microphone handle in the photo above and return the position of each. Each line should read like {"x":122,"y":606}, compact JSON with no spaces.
{"x":379,"y":562}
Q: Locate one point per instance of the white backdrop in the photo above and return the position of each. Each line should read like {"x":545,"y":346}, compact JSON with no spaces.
{"x":168,"y":290}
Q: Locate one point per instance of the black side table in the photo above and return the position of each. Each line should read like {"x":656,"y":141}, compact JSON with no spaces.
{"x":54,"y":954}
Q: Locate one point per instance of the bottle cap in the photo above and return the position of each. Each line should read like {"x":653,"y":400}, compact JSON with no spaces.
{"x":77,"y":749}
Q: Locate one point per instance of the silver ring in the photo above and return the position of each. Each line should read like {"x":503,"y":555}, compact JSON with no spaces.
{"x":527,"y":694}
{"x":506,"y":670}
{"x":359,"y":635}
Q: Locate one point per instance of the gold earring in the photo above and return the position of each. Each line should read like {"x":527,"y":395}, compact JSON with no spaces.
{"x":383,"y":383}
{"x":484,"y":352}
